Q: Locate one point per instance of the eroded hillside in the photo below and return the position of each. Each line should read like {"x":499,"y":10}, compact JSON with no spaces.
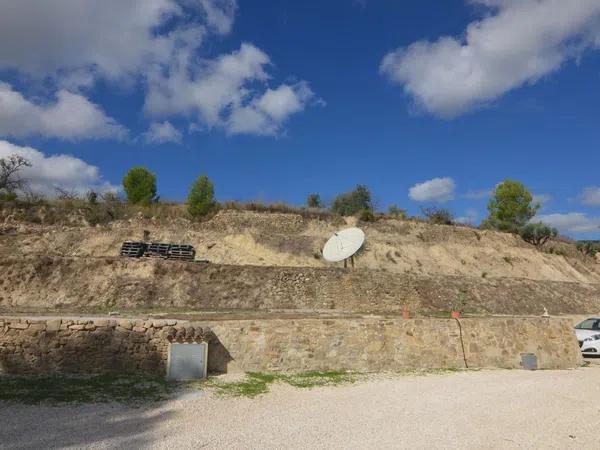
{"x":272,"y":239}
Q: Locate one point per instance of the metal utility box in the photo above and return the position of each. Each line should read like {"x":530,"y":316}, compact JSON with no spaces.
{"x":187,"y":361}
{"x":529,"y":361}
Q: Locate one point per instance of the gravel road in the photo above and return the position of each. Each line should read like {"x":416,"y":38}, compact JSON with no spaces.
{"x":485,"y":409}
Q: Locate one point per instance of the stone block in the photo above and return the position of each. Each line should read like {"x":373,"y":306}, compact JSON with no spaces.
{"x":77,"y":327}
{"x":18,"y":325}
{"x":125,"y":324}
{"x":53,"y":325}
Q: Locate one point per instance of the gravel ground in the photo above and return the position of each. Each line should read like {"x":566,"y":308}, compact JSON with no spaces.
{"x":486,"y":409}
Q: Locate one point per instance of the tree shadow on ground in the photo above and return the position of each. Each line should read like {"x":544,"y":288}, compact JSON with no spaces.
{"x":103,"y":425}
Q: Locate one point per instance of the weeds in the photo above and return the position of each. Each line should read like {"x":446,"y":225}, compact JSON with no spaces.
{"x":58,"y":389}
{"x":257,"y":383}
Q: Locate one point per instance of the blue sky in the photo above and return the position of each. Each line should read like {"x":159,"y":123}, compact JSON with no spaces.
{"x":428,"y":103}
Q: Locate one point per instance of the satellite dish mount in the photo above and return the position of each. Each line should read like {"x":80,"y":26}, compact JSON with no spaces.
{"x":343,"y":245}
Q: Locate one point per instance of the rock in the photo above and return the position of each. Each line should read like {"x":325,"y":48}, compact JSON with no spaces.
{"x":53,"y":325}
{"x":125,"y":324}
{"x":78,"y":327}
{"x":38,"y":326}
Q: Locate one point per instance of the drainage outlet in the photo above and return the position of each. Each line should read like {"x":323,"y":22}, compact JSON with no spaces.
{"x":187,"y":361}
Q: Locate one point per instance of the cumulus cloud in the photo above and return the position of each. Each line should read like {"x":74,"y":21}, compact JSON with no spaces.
{"x":223,"y":92}
{"x":517,"y":42}
{"x":219,"y":14}
{"x":574,"y":222}
{"x":591,"y":196}
{"x":153,"y":44}
{"x":266,"y":114}
{"x":435,"y":190}
{"x":68,"y":116}
{"x":161,"y":133}
{"x":112,"y":38}
{"x":47,"y":173}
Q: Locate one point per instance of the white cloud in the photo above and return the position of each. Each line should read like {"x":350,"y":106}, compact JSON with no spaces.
{"x":517,"y":42}
{"x":470,"y":217}
{"x":111,"y":38}
{"x":573,"y":222}
{"x":220,"y":14}
{"x":266,"y":114}
{"x":154,"y":44}
{"x":223,"y":92}
{"x":435,"y":190}
{"x":69,"y":116}
{"x":57,"y":171}
{"x":161,"y":133}
{"x":591,"y":196}
{"x":478,"y":195}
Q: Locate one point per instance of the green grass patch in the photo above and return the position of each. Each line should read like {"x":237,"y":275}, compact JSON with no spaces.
{"x":257,"y":383}
{"x":58,"y":389}
{"x":318,"y":378}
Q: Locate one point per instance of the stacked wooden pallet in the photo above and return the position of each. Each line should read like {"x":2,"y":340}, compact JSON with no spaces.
{"x":133,"y":249}
{"x":157,"y":250}
{"x":182,"y":251}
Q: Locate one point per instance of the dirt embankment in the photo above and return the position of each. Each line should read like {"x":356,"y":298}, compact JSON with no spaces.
{"x":272,"y":261}
{"x":248,"y":238}
{"x":88,"y":284}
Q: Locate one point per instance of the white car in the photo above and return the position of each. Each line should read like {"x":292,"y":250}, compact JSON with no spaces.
{"x":588,"y":335}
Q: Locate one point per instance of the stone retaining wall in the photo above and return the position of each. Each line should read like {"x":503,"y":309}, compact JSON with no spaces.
{"x":373,"y":344}
{"x":390,"y":345}
{"x":90,"y":346}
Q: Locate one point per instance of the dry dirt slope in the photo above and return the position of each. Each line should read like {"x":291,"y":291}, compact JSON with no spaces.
{"x":269,"y":239}
{"x":268,"y":260}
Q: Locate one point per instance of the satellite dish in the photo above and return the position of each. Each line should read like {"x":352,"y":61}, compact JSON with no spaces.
{"x":343,"y":244}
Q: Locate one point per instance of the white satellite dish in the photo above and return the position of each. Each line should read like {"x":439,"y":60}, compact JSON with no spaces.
{"x":343,"y":245}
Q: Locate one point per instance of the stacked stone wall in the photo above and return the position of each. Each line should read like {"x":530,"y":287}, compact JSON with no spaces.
{"x":33,"y":346}
{"x":29,"y":346}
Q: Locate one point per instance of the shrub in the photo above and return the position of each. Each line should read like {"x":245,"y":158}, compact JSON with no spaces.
{"x":394,"y":211}
{"x":10,"y":181}
{"x":201,"y":197}
{"x":8,"y":196}
{"x":537,"y":233}
{"x":92,"y":197}
{"x":367,"y":216}
{"x":353,"y":202}
{"x":140,"y":186}
{"x":314,"y":201}
{"x":510,"y":207}
{"x":588,"y":248}
{"x":438,"y":216}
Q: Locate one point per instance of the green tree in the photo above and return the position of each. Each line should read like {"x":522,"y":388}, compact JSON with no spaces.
{"x":438,"y":216}
{"x":140,"y":186}
{"x":394,"y":211}
{"x":201,"y":197}
{"x":353,"y":202}
{"x":588,"y":248}
{"x":537,"y":233}
{"x":510,"y":207}
{"x":314,"y":201}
